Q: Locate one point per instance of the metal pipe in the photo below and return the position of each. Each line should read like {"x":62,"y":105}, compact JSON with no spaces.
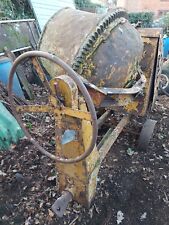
{"x":16,"y":21}
{"x":137,"y":87}
{"x":30,"y":28}
{"x":17,"y":50}
{"x":81,"y":87}
{"x":103,"y":117}
{"x":111,"y":136}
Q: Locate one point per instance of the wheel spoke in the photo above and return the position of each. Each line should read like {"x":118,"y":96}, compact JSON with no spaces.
{"x":41,"y":74}
{"x":74,"y":113}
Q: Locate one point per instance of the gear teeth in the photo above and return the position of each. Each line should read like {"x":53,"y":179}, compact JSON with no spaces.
{"x":109,"y":19}
{"x":93,"y":37}
{"x":79,"y":61}
{"x":107,"y":22}
{"x":99,"y":30}
{"x":117,"y":13}
{"x":88,"y":45}
{"x":84,"y":51}
{"x":75,"y":66}
{"x":112,"y":18}
{"x":104,"y":24}
{"x":96,"y":35}
{"x":91,"y":41}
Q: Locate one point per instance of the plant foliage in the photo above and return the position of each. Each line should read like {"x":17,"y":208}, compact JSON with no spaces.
{"x":165,"y":23}
{"x":86,"y":5}
{"x":145,"y":18}
{"x":15,"y":9}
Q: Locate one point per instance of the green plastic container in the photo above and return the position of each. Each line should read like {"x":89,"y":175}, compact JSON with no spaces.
{"x":10,"y":131}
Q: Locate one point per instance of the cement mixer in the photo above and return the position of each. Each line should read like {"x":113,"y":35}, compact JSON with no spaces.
{"x":101,"y":67}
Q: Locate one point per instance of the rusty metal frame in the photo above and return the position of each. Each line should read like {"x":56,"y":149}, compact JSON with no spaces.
{"x":151,"y":65}
{"x":78,"y":181}
{"x":59,"y":111}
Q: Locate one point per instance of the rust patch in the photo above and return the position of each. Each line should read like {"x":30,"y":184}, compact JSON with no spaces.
{"x":96,"y":96}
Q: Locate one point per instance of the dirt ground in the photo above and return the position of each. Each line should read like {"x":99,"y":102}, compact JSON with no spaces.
{"x":133,"y":187}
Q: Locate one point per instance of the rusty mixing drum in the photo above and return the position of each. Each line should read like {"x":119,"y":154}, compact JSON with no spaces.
{"x":103,"y":49}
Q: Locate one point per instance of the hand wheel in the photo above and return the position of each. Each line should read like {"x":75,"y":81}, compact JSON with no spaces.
{"x":43,"y":108}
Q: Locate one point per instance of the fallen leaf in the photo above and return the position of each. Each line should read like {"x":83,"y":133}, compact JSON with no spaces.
{"x":130,"y":152}
{"x":143,"y":216}
{"x":120,"y":217}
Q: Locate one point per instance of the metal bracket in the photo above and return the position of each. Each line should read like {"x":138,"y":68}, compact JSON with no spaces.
{"x":137,"y":88}
{"x":61,"y":203}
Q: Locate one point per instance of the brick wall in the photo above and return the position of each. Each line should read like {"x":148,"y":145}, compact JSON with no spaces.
{"x":159,"y":7}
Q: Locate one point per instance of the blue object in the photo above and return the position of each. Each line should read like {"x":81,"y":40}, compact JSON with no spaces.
{"x":5,"y":66}
{"x":166,"y":47}
{"x":68,"y":136}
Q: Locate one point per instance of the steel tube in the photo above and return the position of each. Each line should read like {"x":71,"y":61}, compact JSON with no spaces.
{"x":16,"y":21}
{"x":111,"y":136}
{"x":103,"y":117}
{"x":17,"y":50}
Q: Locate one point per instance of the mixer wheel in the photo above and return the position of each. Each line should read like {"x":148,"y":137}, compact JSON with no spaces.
{"x":146,"y":134}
